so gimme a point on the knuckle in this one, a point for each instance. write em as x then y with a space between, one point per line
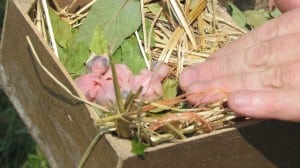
268 31
279 77
257 57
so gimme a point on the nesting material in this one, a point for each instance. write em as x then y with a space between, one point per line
180 34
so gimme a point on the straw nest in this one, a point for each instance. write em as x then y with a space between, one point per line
185 32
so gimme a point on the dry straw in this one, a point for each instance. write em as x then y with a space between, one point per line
199 28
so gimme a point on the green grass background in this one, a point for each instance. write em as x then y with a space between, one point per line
17 149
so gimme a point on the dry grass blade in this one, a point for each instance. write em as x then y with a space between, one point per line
182 21
178 33
49 26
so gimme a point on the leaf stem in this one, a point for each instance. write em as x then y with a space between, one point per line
119 96
91 147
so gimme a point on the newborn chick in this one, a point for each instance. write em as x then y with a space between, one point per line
124 75
97 64
150 81
97 84
89 85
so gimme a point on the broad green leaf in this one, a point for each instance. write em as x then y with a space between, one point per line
255 18
98 43
63 32
77 57
138 148
64 53
118 19
275 13
108 23
237 15
130 54
170 87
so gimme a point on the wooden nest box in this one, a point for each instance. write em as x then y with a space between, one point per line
63 127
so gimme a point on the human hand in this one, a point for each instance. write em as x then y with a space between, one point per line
260 71
285 5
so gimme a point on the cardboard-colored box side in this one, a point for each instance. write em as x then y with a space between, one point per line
63 127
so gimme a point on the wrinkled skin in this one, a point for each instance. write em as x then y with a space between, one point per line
285 5
150 81
97 64
260 70
97 85
124 75
89 84
106 94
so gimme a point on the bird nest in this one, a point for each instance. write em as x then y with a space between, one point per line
178 33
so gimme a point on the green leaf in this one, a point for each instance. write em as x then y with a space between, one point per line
98 43
77 57
275 13
169 88
117 19
130 54
63 32
237 15
137 147
108 23
155 8
255 18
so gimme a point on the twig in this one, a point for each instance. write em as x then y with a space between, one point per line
144 25
91 147
142 50
152 28
85 7
174 130
50 29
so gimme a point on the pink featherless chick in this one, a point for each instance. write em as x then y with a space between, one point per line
150 81
97 64
124 75
105 95
90 83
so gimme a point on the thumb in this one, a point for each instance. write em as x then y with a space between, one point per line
286 5
281 104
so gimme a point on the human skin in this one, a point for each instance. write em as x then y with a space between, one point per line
285 5
260 71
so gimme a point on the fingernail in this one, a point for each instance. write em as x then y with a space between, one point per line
241 100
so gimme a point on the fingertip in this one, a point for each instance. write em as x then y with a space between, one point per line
257 104
245 103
